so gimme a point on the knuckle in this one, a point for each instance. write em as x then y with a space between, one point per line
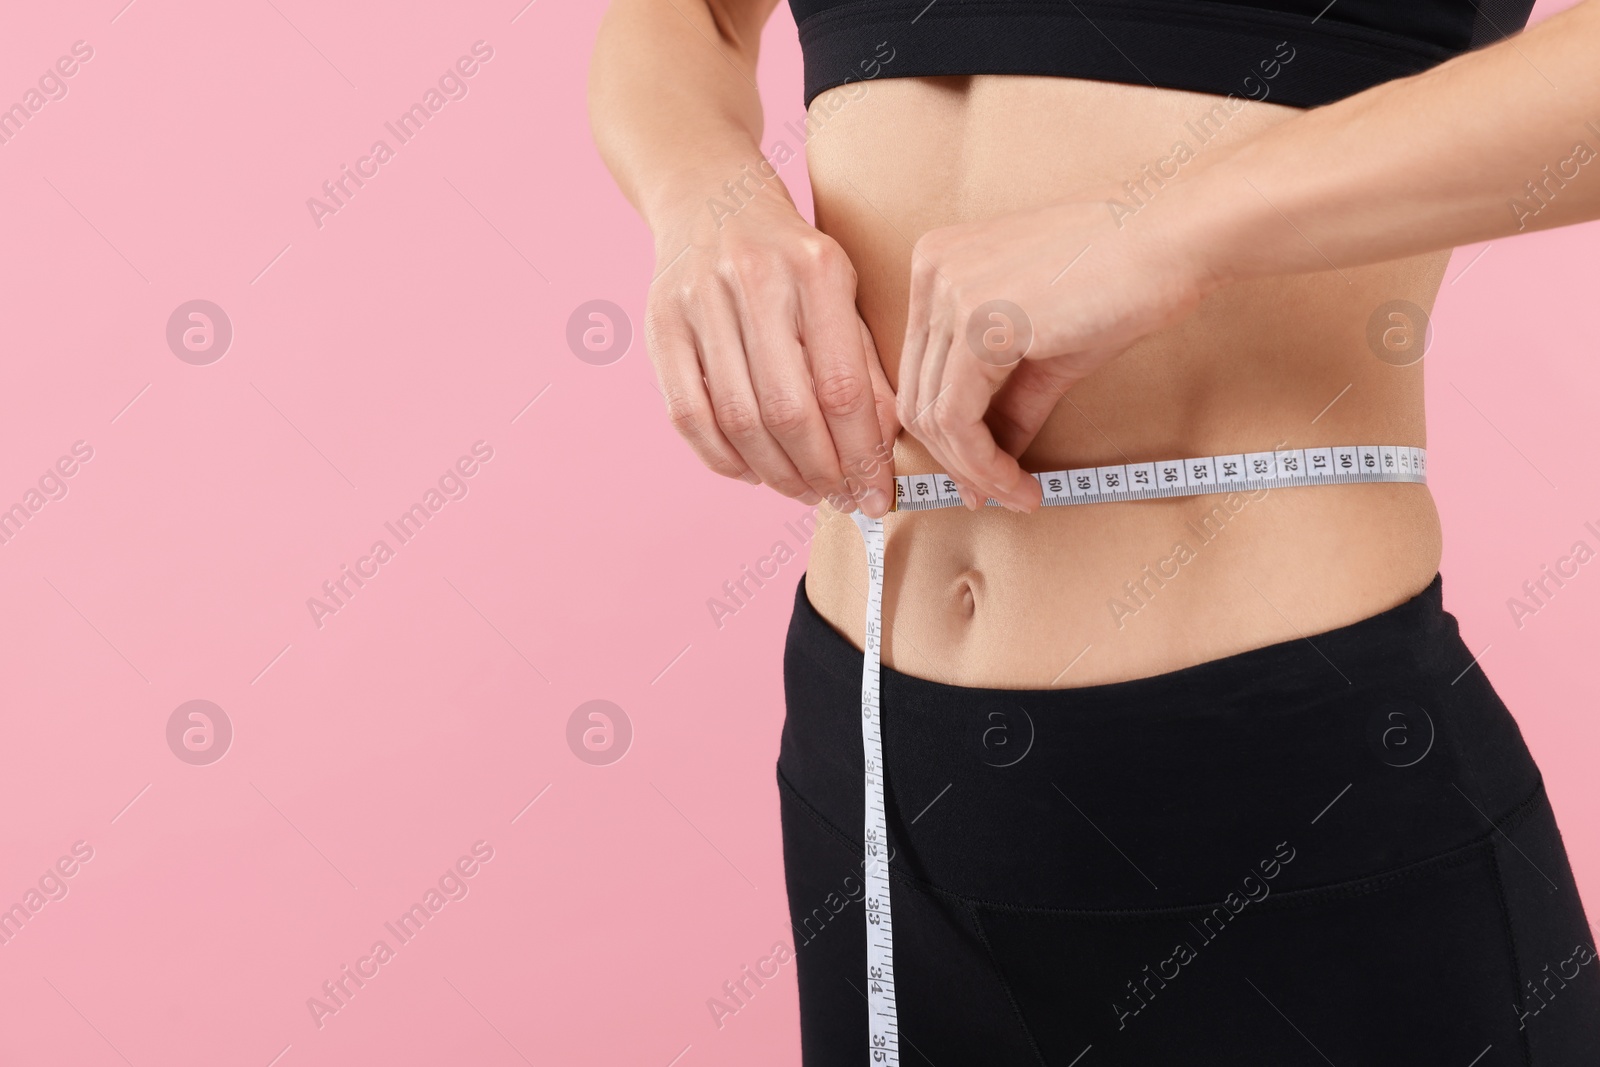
823 257
842 392
738 419
1004 422
792 487
749 265
684 415
665 320
783 413
812 249
686 295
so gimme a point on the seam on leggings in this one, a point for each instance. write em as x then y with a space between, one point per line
1000 975
1463 752
1305 896
1511 944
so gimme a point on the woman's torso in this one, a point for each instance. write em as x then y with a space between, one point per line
1085 595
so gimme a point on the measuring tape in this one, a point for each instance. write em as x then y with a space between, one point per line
1280 469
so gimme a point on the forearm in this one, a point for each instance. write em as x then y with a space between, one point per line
673 102
1416 165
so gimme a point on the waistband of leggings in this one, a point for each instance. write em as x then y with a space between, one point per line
1366 749
1417 637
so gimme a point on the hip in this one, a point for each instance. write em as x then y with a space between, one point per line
1359 797
1387 720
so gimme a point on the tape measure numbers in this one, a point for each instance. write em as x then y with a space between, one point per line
1279 469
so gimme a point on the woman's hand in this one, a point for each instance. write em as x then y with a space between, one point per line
1008 314
767 369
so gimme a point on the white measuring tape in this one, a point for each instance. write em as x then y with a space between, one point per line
1087 485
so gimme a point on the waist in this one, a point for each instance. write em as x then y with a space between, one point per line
1109 592
1071 597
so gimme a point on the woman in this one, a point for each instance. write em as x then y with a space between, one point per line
1209 779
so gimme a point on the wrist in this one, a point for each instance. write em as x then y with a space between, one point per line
1202 224
693 200
1222 225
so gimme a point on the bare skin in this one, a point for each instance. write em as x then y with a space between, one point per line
1205 322
1024 601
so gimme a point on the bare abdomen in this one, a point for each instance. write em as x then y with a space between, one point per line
1076 596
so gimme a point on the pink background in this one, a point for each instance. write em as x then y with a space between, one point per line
425 715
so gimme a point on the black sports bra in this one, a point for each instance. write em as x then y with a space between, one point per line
1298 52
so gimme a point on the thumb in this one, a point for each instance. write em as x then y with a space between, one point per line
883 398
1020 407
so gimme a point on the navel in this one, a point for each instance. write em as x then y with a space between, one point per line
968 586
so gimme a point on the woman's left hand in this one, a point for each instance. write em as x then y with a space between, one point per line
1008 314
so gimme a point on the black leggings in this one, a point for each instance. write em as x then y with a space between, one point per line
1327 851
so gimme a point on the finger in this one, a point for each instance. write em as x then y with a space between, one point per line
930 369
734 405
787 402
689 406
969 386
844 392
935 389
883 398
885 403
929 375
1021 406
915 342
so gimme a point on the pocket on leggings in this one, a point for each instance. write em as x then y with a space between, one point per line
1415 967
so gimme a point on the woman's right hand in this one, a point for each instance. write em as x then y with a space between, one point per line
767 369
